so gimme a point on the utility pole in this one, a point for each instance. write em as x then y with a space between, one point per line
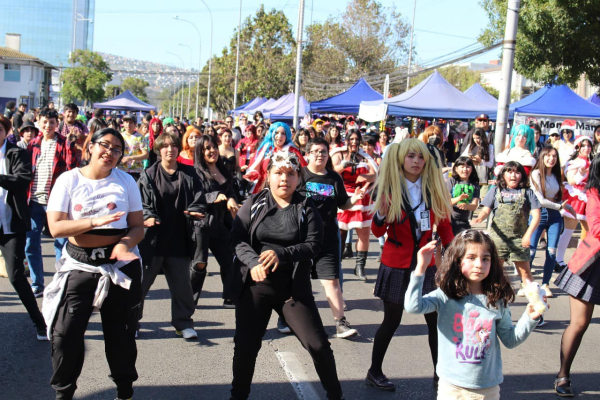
209 63
237 60
298 63
412 33
508 58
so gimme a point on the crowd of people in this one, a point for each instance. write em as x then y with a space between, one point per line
278 208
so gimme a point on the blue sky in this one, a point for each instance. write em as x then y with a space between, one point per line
146 30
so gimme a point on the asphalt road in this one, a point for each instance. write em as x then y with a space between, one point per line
172 368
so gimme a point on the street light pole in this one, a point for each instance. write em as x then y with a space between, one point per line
237 60
298 63
412 32
508 59
209 63
183 67
189 87
199 58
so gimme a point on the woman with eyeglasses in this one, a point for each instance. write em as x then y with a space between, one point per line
99 209
358 171
319 182
275 236
576 172
174 204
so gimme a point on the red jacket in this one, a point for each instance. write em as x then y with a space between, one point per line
400 250
64 158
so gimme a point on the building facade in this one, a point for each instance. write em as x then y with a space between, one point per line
49 29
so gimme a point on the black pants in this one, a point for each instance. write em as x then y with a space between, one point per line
13 250
119 313
177 273
252 314
218 243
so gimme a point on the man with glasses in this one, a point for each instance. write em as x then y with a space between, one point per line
237 133
51 155
482 121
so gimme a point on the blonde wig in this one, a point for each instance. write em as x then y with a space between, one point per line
390 184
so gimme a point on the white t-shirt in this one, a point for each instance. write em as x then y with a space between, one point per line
82 198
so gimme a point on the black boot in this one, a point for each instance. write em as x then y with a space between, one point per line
197 277
348 251
359 269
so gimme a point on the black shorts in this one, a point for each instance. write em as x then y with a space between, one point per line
326 266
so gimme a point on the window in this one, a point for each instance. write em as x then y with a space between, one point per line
12 73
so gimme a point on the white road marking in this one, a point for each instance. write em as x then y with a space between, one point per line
295 372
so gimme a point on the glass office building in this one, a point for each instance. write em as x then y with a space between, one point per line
47 27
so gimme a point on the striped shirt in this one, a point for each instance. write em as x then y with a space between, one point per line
42 177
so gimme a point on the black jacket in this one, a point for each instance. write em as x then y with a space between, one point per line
16 182
194 201
245 245
218 213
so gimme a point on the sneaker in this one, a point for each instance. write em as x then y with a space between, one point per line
521 292
42 336
282 327
228 304
546 289
542 321
342 329
542 244
37 292
559 267
188 333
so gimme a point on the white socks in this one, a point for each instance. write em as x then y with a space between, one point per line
563 243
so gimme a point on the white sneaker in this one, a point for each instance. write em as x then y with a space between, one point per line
521 292
546 289
188 333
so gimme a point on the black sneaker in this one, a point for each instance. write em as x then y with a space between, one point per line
343 330
42 336
228 304
559 267
37 292
282 327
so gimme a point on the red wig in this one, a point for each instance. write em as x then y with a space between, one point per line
154 135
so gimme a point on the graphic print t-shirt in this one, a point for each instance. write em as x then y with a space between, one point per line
83 198
328 193
456 188
510 196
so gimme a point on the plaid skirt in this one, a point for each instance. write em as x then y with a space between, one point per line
392 283
584 287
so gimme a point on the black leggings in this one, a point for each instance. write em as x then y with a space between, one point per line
392 315
219 247
252 315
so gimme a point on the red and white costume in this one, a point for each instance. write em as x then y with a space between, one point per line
575 194
518 154
360 215
257 171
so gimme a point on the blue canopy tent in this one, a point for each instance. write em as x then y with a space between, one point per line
558 101
252 103
477 92
285 111
347 102
432 98
125 101
260 107
276 104
594 99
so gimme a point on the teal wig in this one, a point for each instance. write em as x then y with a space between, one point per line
526 131
268 141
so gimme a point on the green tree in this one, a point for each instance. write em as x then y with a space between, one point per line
86 80
557 40
109 91
267 53
137 86
366 39
460 77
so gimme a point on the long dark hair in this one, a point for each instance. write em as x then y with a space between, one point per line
578 147
594 175
509 167
540 166
483 150
338 138
200 163
473 178
455 285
